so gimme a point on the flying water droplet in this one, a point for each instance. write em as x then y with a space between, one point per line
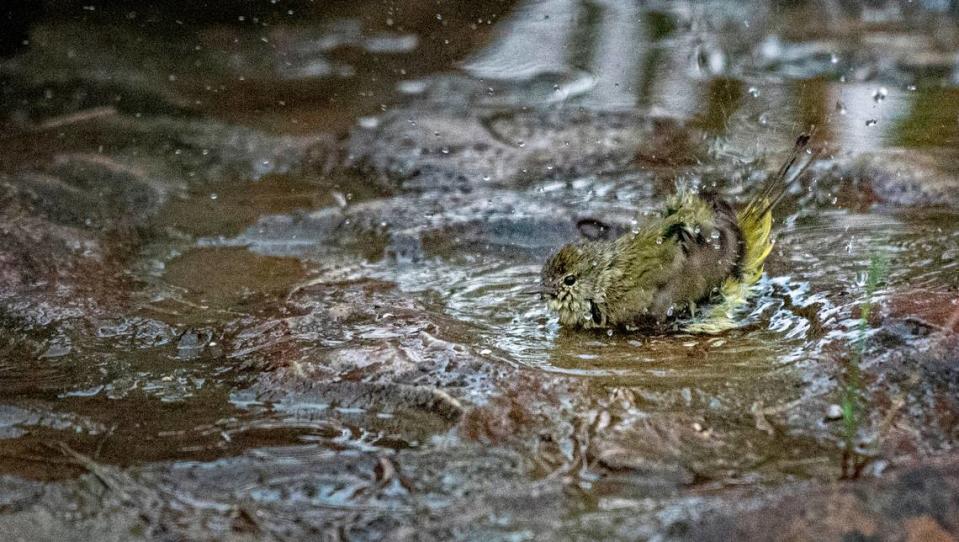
871 122
753 91
880 94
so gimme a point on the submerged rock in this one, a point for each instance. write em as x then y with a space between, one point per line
428 148
71 213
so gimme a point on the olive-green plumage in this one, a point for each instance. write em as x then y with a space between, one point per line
697 250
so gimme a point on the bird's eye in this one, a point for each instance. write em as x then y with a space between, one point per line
569 280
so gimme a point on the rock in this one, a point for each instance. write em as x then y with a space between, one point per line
893 177
74 216
934 310
918 500
423 149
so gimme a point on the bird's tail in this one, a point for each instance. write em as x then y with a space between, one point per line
755 224
755 218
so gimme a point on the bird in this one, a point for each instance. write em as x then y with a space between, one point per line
697 251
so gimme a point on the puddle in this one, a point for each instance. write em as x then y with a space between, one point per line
220 279
280 263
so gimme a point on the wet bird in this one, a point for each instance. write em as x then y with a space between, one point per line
697 250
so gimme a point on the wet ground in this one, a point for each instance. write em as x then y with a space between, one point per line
263 276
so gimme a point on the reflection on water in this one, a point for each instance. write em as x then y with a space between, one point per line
611 55
406 272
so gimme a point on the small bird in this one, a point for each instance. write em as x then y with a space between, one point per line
697 250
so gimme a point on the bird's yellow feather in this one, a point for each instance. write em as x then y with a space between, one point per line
756 230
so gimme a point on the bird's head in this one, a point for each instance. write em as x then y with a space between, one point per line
571 284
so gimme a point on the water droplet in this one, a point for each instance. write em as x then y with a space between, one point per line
368 122
754 92
764 119
840 108
834 58
609 332
871 122
445 150
659 240
521 143
439 17
486 177
669 311
714 234
911 88
880 94
213 195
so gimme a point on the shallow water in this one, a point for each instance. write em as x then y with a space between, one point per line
256 285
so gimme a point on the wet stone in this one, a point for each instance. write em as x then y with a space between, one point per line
898 178
457 150
918 500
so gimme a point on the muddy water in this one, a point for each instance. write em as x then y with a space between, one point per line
317 318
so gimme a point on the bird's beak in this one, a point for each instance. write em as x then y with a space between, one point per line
540 290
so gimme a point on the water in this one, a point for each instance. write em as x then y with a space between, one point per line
306 286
